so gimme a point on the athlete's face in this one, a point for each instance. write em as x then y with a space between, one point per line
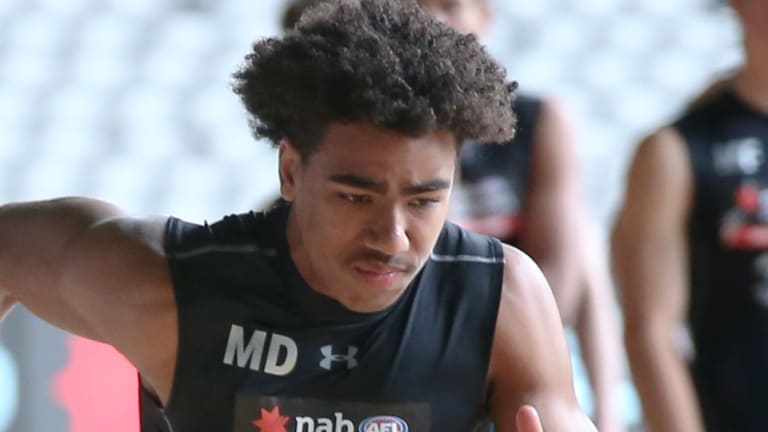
368 206
466 16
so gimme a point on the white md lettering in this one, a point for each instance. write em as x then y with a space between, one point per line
250 355
276 345
338 424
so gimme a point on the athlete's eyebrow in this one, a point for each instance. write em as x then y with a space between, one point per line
359 182
430 186
381 187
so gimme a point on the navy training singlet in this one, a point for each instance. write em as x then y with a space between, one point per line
728 244
150 412
491 192
260 351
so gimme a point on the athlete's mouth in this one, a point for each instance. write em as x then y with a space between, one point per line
378 269
380 275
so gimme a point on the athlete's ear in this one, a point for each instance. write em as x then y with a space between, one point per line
290 166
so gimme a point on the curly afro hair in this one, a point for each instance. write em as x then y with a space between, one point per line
381 62
293 12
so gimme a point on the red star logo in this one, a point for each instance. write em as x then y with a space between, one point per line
271 421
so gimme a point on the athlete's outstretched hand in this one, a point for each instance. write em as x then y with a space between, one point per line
527 420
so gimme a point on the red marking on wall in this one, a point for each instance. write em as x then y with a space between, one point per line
97 389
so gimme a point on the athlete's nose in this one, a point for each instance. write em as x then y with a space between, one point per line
387 232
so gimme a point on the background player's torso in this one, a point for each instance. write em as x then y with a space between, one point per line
728 243
491 192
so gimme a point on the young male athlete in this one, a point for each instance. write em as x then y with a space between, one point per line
691 250
356 307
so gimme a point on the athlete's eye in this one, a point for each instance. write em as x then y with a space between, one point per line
423 202
355 198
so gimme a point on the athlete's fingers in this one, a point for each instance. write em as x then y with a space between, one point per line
527 420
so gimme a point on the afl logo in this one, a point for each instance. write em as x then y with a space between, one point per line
383 424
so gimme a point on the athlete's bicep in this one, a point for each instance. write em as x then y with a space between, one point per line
116 279
36 248
530 363
120 289
82 266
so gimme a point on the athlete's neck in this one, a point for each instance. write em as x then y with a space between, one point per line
751 84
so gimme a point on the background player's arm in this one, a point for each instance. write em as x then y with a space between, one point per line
83 267
530 362
554 210
557 234
650 259
598 327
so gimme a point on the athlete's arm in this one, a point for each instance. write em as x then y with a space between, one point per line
530 364
82 266
599 330
553 211
650 259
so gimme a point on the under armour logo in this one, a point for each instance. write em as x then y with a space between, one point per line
329 357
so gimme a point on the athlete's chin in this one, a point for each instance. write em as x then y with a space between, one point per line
370 293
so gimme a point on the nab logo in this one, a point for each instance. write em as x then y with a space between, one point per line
281 354
329 358
278 414
274 421
383 424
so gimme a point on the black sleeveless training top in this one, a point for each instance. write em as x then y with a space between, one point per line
260 351
728 244
493 179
